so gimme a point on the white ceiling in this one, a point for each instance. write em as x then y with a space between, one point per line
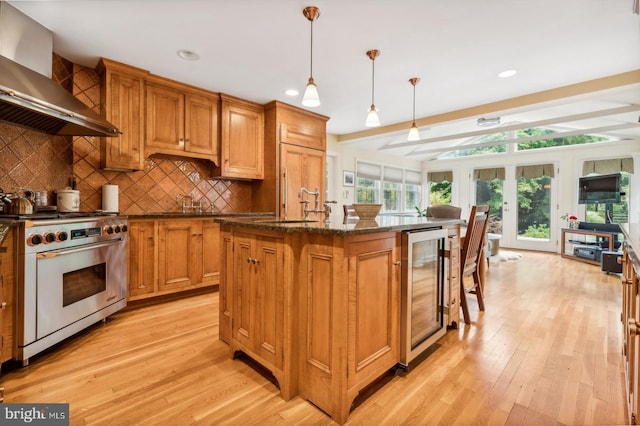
256 49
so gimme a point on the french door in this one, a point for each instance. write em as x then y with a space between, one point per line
523 209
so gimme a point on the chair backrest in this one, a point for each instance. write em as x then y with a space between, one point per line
349 211
474 238
444 212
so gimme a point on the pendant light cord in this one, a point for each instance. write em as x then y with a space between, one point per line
414 104
373 79
311 70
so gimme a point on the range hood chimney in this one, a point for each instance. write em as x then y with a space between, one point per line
28 96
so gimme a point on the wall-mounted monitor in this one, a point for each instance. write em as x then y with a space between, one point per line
603 189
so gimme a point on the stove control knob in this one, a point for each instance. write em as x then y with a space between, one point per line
62 236
108 229
49 237
117 229
124 228
34 240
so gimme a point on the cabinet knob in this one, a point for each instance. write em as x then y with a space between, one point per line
634 327
396 263
3 305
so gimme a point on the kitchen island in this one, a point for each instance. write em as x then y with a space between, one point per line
317 304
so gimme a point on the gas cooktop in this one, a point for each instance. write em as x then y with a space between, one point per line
48 215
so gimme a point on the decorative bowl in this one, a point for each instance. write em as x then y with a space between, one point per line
367 211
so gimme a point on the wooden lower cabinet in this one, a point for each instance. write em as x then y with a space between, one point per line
168 256
349 298
631 329
7 295
321 312
259 295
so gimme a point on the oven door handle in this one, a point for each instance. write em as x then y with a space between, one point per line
55 253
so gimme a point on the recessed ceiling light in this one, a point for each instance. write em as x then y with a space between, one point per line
291 92
188 55
507 73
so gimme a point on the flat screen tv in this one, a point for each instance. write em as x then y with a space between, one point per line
603 189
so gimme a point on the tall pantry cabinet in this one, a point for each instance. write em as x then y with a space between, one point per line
294 157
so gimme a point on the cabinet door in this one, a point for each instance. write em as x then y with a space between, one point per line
303 136
300 167
123 107
177 255
210 236
7 295
226 285
243 289
165 118
242 147
201 125
374 309
269 300
141 247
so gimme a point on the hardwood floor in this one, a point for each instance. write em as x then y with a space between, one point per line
547 350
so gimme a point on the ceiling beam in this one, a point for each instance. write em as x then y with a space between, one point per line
518 126
592 131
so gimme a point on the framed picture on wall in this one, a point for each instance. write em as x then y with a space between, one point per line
348 178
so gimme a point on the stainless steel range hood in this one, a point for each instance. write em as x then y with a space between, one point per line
31 99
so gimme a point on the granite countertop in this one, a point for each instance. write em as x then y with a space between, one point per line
174 215
631 233
352 227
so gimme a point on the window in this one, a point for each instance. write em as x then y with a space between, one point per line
368 183
440 187
412 189
489 144
399 190
392 189
551 142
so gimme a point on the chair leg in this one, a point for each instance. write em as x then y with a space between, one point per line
479 290
463 303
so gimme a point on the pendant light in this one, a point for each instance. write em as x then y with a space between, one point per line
414 134
311 98
372 116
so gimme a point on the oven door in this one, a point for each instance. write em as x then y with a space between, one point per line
75 283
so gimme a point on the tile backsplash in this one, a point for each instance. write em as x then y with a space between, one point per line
38 161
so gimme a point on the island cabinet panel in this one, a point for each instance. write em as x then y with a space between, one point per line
301 167
242 139
122 93
7 295
260 294
170 256
141 249
226 284
349 301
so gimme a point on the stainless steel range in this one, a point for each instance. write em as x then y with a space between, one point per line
71 274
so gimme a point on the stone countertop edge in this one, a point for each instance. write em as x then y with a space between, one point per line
381 224
195 215
631 234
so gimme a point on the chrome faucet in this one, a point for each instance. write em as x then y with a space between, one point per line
326 205
181 199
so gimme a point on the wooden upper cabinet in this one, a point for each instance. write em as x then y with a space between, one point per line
122 93
303 136
242 139
181 120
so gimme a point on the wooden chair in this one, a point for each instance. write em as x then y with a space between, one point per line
444 212
350 215
470 258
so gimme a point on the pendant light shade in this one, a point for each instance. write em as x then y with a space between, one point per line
372 116
414 134
311 97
